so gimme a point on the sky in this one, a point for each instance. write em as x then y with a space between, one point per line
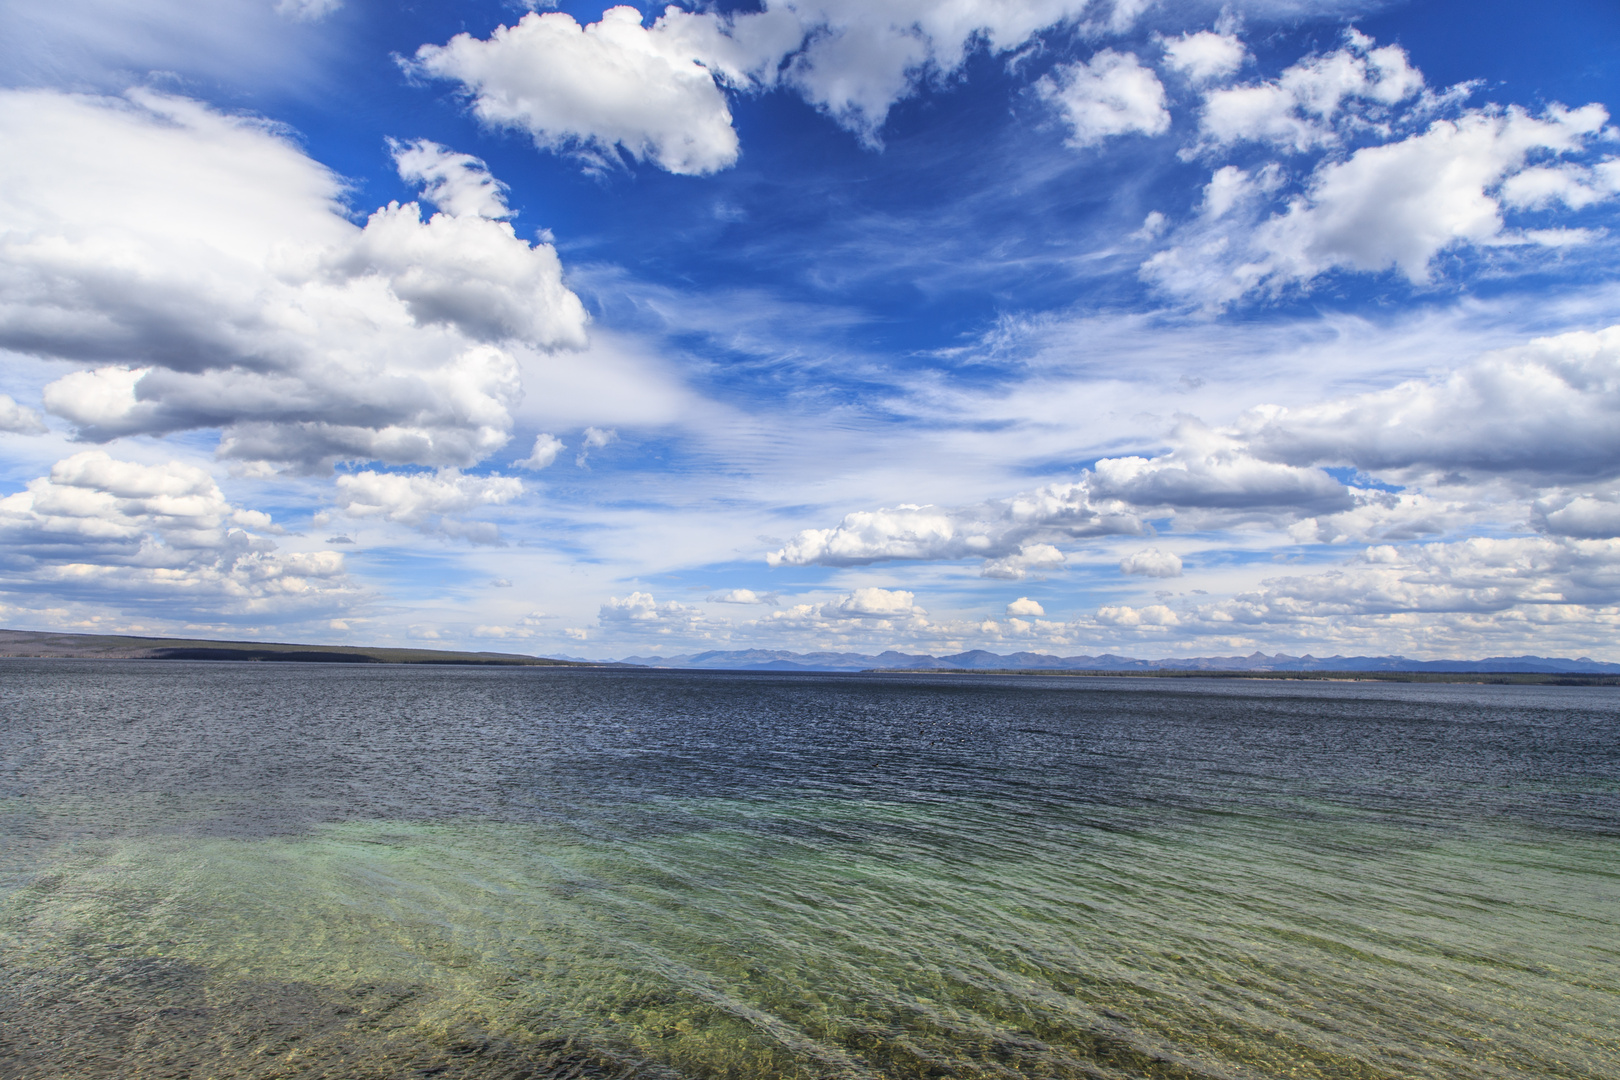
1148 327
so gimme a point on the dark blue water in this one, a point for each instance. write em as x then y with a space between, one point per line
291 870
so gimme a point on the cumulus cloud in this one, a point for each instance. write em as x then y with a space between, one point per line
1205 55
1589 517
595 439
1208 475
469 274
1439 593
1298 110
1212 470
114 531
1548 411
1380 515
744 596
855 615
1398 205
639 613
202 269
1021 563
1025 606
544 453
991 530
874 603
1151 562
861 58
1395 186
1110 94
656 92
1574 186
1156 615
429 502
1474 445
19 419
458 184
610 85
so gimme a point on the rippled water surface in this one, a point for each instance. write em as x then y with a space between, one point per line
286 870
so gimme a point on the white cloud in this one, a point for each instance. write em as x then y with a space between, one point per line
1298 110
1397 183
1575 186
545 451
639 613
427 501
610 84
744 596
1028 558
861 58
1151 562
855 616
251 45
1153 226
1208 476
1407 515
470 274
113 531
458 184
1214 471
655 92
1156 615
874 603
1025 606
307 10
990 530
1231 187
1590 517
1548 411
1204 56
1399 201
1399 205
203 269
1439 596
1111 94
595 439
19 419
1473 447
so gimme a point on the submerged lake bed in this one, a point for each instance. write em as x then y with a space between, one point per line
257 870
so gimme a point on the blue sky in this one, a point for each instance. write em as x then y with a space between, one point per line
1142 327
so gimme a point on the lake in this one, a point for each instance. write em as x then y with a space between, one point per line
291 870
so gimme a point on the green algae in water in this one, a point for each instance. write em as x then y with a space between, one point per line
726 952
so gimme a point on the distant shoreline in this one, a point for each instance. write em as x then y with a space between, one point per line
44 645
1481 678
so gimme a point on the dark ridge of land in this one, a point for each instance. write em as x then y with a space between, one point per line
1486 678
42 645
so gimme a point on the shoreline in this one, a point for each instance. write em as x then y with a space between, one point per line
1482 678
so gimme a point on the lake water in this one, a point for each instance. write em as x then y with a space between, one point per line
288 870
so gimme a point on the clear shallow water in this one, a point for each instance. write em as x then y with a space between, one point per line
269 870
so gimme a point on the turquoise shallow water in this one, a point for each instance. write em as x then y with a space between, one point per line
267 870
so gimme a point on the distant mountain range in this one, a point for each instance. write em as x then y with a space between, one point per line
980 660
44 644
